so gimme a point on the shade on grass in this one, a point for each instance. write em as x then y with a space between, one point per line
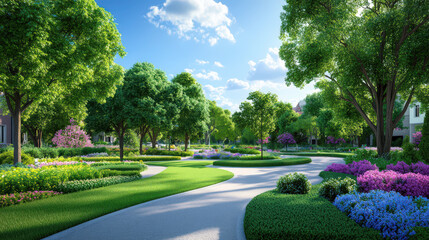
262 163
318 154
42 218
273 215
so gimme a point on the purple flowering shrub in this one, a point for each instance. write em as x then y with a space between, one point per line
72 137
15 198
402 167
417 137
408 184
355 168
389 212
286 138
332 140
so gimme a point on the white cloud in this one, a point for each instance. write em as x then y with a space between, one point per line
269 68
235 84
213 41
188 70
218 64
201 62
259 84
216 94
208 75
199 19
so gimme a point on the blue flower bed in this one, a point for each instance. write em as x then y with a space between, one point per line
389 212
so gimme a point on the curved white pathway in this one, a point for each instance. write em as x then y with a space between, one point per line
213 212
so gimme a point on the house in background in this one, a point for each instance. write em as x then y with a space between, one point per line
6 129
102 136
416 118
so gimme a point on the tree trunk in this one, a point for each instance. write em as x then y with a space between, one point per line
153 136
39 138
141 143
186 141
121 144
17 134
206 138
262 142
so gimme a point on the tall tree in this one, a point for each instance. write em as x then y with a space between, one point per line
194 113
372 51
259 114
111 115
220 123
47 47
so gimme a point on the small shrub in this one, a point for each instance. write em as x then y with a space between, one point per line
332 188
424 143
7 157
294 183
154 151
80 185
242 150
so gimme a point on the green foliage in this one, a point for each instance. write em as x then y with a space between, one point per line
7 157
410 153
262 163
81 185
331 188
131 139
272 215
144 158
257 157
122 167
49 152
318 154
424 144
242 150
294 183
154 151
46 178
48 216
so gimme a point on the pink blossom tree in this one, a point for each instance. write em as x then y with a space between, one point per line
72 137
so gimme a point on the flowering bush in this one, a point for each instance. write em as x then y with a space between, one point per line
332 140
286 138
402 167
15 198
417 137
409 184
264 141
389 212
355 168
46 178
56 163
72 137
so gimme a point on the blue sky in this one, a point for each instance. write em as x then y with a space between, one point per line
230 47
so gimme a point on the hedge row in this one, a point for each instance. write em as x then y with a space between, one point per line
242 150
262 163
272 215
51 152
153 151
144 158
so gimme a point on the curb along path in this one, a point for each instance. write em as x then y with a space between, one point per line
213 212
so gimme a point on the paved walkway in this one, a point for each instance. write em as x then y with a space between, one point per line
213 212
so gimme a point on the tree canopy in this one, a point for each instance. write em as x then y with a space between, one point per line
52 47
372 51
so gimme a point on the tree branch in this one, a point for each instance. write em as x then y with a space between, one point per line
401 114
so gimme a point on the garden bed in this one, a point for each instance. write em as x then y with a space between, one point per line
262 163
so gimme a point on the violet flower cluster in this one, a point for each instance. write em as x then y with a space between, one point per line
72 137
402 167
207 154
389 212
354 168
408 184
417 137
332 140
286 138
58 163
264 141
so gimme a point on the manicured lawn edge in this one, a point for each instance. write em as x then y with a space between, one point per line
272 215
262 163
144 158
318 154
41 218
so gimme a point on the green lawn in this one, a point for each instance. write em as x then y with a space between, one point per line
42 218
272 215
262 163
317 154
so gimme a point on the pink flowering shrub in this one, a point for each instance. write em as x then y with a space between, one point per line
402 167
409 184
417 137
72 137
264 141
355 168
15 198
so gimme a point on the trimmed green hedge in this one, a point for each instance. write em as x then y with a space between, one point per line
7 157
145 158
318 154
51 152
262 163
153 151
80 185
242 150
273 215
